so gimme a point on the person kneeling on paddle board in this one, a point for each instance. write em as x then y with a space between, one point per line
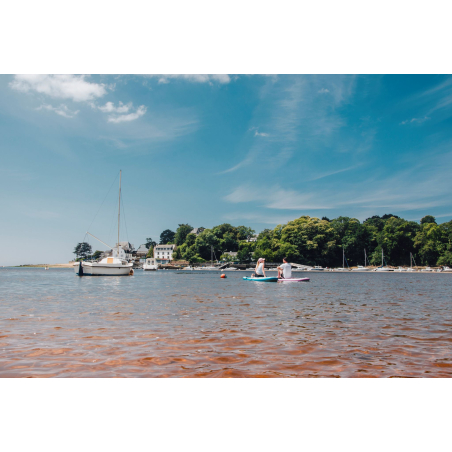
285 270
259 272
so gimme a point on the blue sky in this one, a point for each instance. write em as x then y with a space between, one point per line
254 150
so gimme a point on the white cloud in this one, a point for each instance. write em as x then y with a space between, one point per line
141 110
109 107
260 134
73 87
194 78
62 110
415 120
323 91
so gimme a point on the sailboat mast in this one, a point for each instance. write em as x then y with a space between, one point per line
343 257
119 207
211 255
365 257
382 263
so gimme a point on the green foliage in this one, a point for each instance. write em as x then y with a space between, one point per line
181 233
311 241
82 250
150 252
167 236
150 243
226 258
428 219
96 254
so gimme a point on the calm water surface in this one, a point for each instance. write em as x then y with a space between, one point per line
190 324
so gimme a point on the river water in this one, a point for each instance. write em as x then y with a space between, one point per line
193 324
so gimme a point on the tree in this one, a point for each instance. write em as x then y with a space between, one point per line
167 236
150 251
96 254
82 250
181 233
428 219
204 243
150 243
244 255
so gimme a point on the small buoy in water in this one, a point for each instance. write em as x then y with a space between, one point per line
223 275
131 272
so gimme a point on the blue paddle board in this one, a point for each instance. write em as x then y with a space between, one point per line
267 279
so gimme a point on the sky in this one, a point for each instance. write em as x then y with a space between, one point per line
208 149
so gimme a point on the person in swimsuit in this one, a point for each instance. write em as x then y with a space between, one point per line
259 272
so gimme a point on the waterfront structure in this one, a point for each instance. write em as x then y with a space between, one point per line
163 254
150 264
142 251
197 231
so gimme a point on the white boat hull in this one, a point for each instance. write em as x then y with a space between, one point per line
94 269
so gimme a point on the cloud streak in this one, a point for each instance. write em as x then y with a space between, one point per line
62 110
141 110
193 78
74 87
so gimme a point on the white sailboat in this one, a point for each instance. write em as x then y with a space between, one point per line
211 263
343 269
411 269
116 265
360 268
383 268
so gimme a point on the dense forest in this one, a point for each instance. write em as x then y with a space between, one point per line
313 241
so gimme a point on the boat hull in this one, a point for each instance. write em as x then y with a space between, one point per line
266 279
104 270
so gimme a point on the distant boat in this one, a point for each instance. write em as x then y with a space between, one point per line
427 269
446 269
360 268
317 268
116 265
411 269
148 266
343 269
383 268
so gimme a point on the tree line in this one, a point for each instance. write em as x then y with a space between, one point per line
313 241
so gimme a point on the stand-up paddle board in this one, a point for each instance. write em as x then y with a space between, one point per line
275 279
267 279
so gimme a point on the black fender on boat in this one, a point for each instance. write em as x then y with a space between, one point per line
80 269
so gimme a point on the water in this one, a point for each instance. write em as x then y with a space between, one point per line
191 324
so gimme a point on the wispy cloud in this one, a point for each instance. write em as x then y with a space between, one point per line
323 91
293 115
74 87
415 120
193 78
141 110
332 173
62 110
274 198
109 107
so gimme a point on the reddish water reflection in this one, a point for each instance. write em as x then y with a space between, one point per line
167 324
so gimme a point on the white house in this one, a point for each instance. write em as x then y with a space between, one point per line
163 254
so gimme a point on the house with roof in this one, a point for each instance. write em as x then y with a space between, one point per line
197 231
142 251
163 254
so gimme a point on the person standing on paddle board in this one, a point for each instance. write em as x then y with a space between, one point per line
285 270
259 272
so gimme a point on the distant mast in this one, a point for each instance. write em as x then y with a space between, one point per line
119 207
